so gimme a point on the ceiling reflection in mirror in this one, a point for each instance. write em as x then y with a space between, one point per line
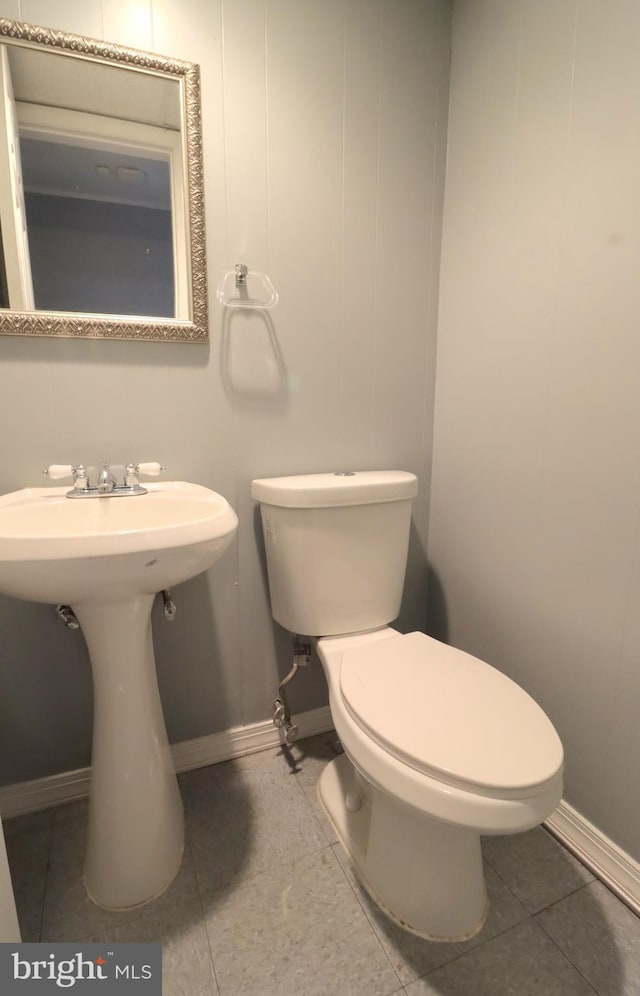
101 190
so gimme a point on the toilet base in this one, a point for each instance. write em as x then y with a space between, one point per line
426 876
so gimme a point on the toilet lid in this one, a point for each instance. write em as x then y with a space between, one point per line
450 715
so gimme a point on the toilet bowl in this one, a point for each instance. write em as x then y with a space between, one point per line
468 752
439 747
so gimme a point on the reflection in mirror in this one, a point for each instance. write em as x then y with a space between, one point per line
101 203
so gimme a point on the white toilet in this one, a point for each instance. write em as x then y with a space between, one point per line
440 747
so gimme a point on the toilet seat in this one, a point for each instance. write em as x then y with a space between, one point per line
450 716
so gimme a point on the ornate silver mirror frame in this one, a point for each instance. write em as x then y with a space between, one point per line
196 328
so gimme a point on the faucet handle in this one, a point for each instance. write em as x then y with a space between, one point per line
57 470
79 473
132 470
150 469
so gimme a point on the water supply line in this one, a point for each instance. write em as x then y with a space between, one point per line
281 712
168 605
66 615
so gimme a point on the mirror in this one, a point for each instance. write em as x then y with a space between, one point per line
101 190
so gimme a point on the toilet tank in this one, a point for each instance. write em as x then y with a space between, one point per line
336 548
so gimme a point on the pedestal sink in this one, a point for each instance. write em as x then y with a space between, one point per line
107 557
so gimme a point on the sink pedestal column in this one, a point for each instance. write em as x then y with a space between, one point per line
136 822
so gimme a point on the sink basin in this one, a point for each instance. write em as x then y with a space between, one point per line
53 549
107 558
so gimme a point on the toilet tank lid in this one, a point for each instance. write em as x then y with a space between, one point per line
363 487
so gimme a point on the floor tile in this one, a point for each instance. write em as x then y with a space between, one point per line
312 757
28 822
243 818
28 856
69 914
521 962
283 916
301 930
313 754
536 867
187 968
601 936
77 810
412 956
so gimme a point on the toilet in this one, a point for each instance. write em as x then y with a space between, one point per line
439 747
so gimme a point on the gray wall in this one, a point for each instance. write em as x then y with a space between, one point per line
324 142
535 509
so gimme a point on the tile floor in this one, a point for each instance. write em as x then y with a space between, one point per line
265 902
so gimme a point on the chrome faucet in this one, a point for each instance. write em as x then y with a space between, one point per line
107 485
106 481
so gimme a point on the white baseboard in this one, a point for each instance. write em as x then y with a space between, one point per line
604 858
42 793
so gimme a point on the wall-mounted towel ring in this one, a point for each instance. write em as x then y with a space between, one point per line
244 288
